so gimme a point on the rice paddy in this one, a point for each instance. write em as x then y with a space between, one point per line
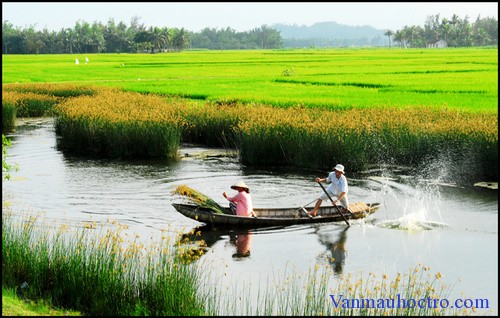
465 79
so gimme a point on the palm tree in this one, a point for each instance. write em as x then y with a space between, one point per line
398 37
98 43
180 39
165 34
389 33
8 33
158 38
444 29
481 36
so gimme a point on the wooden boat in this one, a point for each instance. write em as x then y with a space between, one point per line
275 216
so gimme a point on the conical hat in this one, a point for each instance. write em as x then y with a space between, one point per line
240 184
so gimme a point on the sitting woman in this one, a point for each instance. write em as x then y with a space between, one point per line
241 203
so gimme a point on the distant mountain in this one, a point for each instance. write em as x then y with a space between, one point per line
330 34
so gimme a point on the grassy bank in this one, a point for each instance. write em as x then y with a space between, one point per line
13 305
97 270
34 100
124 124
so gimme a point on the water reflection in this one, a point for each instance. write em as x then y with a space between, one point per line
336 247
243 243
202 238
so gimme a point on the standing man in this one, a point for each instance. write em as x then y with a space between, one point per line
337 189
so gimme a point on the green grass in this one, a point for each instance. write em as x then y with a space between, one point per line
119 124
462 79
97 271
8 116
12 305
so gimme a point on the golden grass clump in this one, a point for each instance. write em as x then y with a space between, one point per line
36 99
29 104
120 124
52 89
8 113
211 124
110 122
199 198
189 247
358 137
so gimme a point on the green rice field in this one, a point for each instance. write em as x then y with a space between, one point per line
463 79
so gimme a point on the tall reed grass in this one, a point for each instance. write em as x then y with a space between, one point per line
36 100
358 137
62 90
317 292
120 124
315 138
212 124
101 270
8 113
30 104
96 269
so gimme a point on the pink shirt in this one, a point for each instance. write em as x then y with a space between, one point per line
243 200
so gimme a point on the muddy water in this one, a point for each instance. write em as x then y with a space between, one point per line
450 229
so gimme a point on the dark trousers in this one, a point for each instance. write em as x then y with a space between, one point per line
232 207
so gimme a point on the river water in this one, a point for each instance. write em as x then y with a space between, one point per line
450 229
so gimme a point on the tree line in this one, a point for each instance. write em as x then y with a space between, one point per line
133 38
136 37
456 32
263 37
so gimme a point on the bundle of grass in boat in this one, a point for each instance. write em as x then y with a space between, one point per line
199 199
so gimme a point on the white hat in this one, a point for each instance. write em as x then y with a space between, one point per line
240 184
340 168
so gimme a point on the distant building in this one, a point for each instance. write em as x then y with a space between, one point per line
439 44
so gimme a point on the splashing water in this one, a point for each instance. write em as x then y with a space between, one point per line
411 206
413 222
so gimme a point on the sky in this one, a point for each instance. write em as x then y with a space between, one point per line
239 16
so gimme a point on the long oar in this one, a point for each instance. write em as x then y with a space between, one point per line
329 197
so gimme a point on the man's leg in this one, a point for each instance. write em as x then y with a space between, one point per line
316 208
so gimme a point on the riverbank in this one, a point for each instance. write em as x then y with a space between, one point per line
12 305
